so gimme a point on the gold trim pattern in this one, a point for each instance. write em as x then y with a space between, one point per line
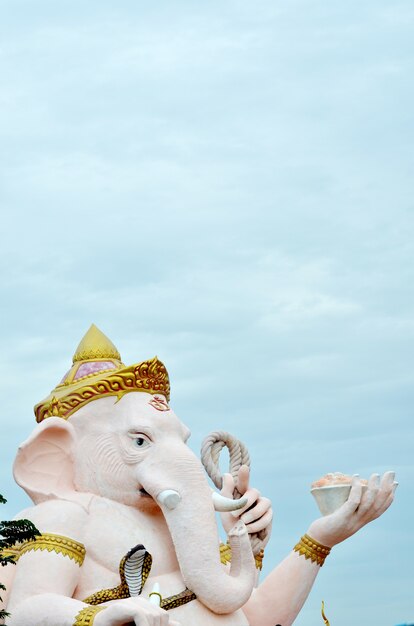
172 602
120 592
70 376
105 595
95 345
149 376
325 619
225 553
13 552
225 556
55 543
312 549
102 355
86 616
258 559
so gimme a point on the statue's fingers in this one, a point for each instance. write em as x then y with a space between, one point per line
165 619
369 495
151 615
152 612
260 508
374 482
384 501
387 481
390 496
386 488
354 498
387 503
161 620
158 616
252 496
141 620
260 524
228 486
243 479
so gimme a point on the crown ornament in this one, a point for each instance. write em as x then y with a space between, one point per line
98 372
95 345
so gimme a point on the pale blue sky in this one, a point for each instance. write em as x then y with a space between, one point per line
226 185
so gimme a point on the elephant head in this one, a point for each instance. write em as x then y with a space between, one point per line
130 447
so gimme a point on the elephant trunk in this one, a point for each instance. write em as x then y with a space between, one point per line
193 528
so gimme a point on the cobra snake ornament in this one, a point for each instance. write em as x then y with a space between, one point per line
134 570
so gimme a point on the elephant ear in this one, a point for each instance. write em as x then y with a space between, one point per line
44 465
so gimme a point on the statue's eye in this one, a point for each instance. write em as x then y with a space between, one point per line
141 442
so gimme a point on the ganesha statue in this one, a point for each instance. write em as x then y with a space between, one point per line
127 517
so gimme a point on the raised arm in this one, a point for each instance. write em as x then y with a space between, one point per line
281 596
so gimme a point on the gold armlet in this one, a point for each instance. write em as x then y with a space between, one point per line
258 559
56 543
225 556
86 616
10 552
225 553
312 549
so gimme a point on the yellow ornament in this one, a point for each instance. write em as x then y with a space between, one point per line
97 372
95 345
323 614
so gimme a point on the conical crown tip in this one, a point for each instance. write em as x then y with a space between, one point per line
95 345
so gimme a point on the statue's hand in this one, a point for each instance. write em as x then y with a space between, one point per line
133 611
360 508
257 514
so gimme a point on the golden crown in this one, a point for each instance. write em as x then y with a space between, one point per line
97 372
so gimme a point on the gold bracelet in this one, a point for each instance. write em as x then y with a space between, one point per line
312 549
225 556
258 559
86 616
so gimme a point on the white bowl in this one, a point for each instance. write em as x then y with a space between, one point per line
331 497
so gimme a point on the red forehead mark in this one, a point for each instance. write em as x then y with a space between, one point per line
159 403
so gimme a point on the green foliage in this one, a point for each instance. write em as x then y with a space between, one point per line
15 531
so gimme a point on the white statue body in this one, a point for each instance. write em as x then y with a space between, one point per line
103 479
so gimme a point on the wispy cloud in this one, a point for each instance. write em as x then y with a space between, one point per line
228 186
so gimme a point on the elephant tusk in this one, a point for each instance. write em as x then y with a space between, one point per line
169 498
227 504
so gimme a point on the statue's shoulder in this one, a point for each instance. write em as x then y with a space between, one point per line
61 517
